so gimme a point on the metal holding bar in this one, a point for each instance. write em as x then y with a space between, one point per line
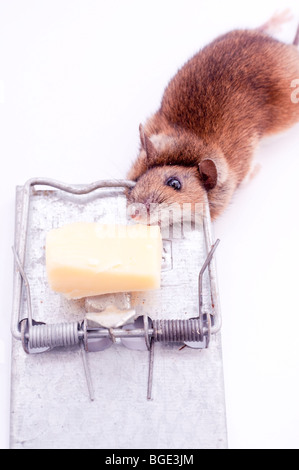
25 280
217 319
201 273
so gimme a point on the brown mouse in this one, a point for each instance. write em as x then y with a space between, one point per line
201 142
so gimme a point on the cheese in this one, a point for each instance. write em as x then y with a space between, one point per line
86 259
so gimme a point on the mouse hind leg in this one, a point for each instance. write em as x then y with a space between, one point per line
273 25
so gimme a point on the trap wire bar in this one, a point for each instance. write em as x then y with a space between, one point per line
38 336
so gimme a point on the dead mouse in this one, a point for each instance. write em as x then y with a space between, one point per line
200 143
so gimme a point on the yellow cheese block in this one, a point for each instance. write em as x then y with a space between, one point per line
85 259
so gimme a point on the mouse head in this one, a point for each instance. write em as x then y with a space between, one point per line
166 192
173 172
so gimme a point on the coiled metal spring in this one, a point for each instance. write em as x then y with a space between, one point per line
177 330
54 335
70 334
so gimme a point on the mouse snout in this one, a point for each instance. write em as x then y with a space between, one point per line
141 210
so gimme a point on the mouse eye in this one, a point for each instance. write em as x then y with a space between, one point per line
174 183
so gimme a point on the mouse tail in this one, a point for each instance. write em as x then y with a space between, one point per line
296 40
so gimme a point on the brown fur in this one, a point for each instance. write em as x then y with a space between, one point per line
217 107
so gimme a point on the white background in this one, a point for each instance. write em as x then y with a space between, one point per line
76 79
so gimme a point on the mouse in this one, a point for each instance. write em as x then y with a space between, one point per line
199 146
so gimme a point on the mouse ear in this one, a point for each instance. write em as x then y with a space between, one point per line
208 173
147 144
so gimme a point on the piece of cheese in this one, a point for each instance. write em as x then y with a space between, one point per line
85 259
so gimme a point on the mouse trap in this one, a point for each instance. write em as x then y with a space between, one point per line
116 371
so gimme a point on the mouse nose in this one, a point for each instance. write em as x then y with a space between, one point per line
142 209
138 212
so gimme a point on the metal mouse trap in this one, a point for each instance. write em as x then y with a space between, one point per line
116 371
